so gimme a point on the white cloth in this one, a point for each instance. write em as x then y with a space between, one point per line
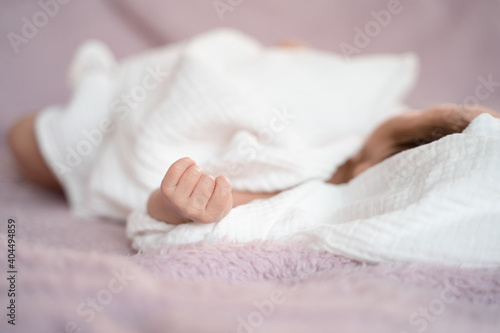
267 118
438 203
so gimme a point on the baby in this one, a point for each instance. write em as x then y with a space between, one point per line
188 194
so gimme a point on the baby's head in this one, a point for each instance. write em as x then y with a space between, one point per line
405 131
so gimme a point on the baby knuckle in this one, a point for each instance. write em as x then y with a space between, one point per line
193 211
169 196
195 170
179 202
176 169
204 196
185 160
224 184
218 206
166 190
201 200
208 185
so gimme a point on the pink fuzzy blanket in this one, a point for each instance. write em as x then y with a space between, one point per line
256 287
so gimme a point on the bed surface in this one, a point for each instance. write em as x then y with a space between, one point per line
458 43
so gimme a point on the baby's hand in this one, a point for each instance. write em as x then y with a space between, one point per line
192 195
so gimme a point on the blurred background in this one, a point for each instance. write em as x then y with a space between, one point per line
458 41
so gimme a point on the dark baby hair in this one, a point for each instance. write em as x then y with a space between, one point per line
428 133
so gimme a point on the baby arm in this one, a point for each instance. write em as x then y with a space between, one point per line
188 194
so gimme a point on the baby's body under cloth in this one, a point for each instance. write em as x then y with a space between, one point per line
268 118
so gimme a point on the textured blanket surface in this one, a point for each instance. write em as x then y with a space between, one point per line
65 289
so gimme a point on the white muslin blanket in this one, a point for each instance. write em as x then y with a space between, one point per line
438 203
268 118
272 119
